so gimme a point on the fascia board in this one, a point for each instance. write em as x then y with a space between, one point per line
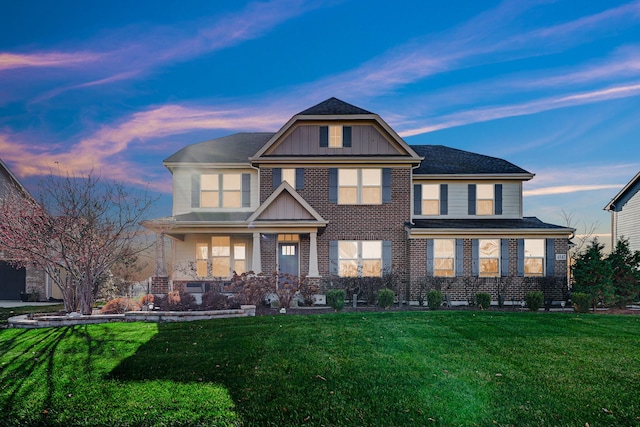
484 232
474 177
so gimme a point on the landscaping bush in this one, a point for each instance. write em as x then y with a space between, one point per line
147 299
386 297
581 302
215 300
434 299
534 300
119 306
177 301
335 298
483 300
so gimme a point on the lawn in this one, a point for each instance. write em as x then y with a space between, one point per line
354 369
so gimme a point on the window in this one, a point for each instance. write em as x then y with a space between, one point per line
335 136
359 186
430 199
289 175
227 256
489 257
485 199
360 258
534 257
202 259
444 257
221 190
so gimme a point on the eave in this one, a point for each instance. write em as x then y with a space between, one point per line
487 232
475 177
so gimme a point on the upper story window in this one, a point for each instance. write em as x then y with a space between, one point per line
489 257
485 193
444 257
534 251
485 199
359 186
295 177
335 136
430 199
289 175
220 190
360 258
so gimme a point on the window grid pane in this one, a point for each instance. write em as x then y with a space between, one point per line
360 258
289 175
489 253
444 257
335 136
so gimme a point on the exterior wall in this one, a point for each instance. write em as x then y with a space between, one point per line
627 223
36 282
304 140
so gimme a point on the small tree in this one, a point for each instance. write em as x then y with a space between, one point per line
592 274
625 267
76 232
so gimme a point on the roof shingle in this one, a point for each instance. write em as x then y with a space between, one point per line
439 159
333 106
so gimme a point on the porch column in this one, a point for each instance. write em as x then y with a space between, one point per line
313 255
257 257
161 264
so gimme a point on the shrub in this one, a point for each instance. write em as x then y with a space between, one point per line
581 302
119 306
335 298
434 299
177 301
215 300
483 300
534 300
146 299
386 298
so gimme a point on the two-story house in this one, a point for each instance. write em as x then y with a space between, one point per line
336 192
625 214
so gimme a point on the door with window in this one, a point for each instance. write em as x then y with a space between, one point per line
288 262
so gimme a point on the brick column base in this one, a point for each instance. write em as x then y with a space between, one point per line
160 285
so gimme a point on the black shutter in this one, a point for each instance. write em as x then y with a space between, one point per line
417 199
346 136
246 190
195 191
498 197
324 136
444 199
299 178
472 199
386 185
333 185
277 177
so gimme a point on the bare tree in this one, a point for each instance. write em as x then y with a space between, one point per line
78 229
582 239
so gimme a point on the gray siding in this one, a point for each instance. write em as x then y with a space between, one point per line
628 222
285 207
305 140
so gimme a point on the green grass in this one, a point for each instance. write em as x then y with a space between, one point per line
385 368
6 313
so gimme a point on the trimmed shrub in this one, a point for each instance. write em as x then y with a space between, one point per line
215 300
581 302
119 306
335 298
177 301
386 297
534 300
434 299
483 300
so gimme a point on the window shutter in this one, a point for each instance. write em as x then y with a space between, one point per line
498 199
195 191
472 199
333 257
386 185
504 255
333 185
299 179
246 190
430 257
459 257
417 199
324 136
550 257
475 257
444 199
277 177
346 136
521 257
387 256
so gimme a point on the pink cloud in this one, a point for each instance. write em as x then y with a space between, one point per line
42 60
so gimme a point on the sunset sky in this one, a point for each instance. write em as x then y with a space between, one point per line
552 86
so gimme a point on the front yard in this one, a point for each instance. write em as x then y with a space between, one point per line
375 368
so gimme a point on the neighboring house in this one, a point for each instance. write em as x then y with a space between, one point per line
336 192
29 281
625 214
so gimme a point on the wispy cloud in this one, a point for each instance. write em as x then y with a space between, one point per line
566 189
10 61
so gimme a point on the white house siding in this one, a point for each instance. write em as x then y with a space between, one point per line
628 222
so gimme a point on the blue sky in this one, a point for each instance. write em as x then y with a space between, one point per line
552 86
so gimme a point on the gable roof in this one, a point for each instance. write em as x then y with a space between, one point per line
333 106
306 212
235 148
441 160
4 169
488 226
627 192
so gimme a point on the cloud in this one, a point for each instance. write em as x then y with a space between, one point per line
566 189
10 61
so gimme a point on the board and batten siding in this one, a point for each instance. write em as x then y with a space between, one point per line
458 199
304 140
182 188
627 223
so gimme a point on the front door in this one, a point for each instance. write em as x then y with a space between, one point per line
288 262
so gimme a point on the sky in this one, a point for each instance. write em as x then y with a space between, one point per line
116 87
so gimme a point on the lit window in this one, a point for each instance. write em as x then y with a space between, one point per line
444 257
221 190
221 256
534 257
288 237
239 258
360 258
359 186
485 197
430 199
335 136
202 257
489 253
289 175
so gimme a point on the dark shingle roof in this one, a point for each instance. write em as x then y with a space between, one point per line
236 148
528 222
439 159
333 106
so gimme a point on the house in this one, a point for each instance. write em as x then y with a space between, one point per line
336 192
29 281
625 214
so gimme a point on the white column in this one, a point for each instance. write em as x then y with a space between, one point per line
161 264
313 255
257 258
